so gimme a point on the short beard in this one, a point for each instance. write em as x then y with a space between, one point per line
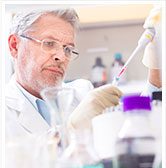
36 85
43 84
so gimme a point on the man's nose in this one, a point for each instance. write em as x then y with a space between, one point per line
59 56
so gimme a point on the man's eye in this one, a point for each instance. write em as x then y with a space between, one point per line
49 43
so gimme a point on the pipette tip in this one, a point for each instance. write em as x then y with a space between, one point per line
115 81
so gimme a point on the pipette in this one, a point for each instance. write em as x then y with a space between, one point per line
146 37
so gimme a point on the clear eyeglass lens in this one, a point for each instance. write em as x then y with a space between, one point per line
68 50
53 46
49 45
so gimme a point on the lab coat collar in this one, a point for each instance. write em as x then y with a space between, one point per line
27 115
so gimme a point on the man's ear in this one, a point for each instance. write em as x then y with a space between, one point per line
13 45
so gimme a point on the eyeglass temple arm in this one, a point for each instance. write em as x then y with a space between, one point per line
74 52
30 38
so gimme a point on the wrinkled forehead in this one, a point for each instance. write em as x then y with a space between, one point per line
46 17
51 26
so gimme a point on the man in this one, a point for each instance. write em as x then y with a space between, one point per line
42 45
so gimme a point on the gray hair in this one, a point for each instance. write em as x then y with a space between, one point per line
23 22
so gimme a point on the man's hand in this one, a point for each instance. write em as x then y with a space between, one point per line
152 55
92 105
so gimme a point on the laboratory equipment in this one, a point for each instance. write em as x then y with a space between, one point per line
153 53
25 152
60 102
146 37
136 144
80 153
156 115
156 123
116 66
98 73
105 130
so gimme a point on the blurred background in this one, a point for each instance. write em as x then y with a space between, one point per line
108 34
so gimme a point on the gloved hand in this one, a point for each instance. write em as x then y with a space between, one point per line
152 54
92 105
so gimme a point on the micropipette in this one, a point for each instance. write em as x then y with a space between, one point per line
146 37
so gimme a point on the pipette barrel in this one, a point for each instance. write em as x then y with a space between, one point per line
146 37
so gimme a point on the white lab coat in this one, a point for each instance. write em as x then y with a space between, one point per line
22 118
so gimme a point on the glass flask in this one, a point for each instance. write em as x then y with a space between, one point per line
60 102
80 153
135 145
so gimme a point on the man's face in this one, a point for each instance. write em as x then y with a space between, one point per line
36 68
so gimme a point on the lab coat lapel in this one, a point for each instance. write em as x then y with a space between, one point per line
28 116
31 120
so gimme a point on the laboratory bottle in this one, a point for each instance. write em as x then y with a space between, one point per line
116 66
98 73
80 153
156 115
156 122
135 144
